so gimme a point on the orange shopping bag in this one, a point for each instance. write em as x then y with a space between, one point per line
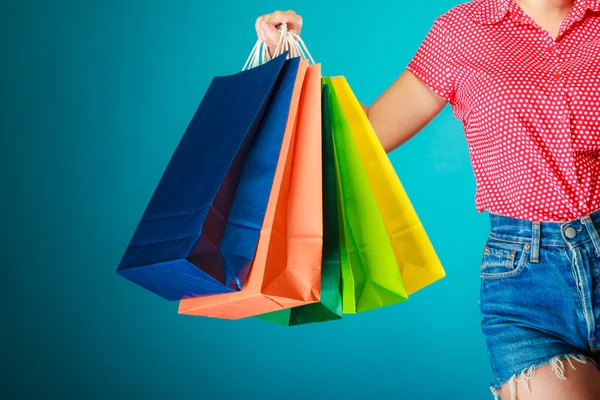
286 270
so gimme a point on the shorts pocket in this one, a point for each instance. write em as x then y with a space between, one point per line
503 259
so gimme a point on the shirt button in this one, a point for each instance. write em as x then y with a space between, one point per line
557 75
550 49
570 232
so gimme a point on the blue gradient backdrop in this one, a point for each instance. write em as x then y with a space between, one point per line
95 97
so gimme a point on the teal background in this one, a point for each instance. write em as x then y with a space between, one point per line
95 97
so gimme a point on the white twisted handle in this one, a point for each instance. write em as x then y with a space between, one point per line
288 41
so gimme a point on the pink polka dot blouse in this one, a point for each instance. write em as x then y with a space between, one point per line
529 104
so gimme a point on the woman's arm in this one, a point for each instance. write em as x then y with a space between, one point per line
402 111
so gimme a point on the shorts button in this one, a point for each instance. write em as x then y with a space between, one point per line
570 232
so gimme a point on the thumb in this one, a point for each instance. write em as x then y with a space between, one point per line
270 34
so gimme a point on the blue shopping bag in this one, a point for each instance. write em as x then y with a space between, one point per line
250 204
175 249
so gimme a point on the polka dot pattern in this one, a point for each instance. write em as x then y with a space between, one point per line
529 104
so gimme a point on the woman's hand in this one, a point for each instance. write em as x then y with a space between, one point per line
266 26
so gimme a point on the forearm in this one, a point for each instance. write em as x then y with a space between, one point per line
365 109
403 110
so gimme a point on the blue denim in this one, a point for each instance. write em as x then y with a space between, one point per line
540 295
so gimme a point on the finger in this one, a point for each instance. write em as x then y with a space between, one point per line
275 18
259 28
293 21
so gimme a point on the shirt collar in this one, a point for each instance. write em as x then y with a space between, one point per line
492 11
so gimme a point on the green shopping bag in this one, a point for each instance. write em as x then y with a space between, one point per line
370 274
330 306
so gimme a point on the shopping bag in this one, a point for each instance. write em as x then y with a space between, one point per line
250 203
286 270
174 251
297 240
415 255
370 274
330 305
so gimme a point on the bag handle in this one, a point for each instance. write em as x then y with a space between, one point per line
288 41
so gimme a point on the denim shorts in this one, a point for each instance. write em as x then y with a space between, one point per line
540 296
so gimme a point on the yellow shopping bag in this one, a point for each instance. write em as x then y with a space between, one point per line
415 255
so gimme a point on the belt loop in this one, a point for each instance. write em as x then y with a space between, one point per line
534 257
589 224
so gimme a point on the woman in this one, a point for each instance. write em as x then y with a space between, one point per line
524 78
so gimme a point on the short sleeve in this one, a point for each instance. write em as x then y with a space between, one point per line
433 61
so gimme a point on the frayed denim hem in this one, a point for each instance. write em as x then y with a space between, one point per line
528 373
